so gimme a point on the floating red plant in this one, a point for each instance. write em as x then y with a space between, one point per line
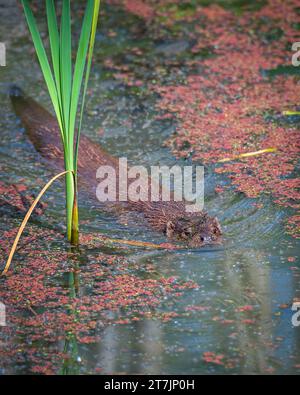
51 298
232 107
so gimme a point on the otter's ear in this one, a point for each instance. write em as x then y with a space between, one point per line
170 228
218 230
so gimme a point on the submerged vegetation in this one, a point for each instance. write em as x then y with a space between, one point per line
67 84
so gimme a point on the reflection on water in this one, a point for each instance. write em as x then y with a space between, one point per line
237 319
241 322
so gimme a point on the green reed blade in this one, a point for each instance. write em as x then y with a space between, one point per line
65 89
80 63
87 74
66 69
54 45
65 57
43 60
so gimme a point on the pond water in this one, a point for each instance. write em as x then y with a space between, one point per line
236 317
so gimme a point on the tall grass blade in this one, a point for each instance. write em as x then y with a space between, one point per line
87 74
54 46
43 60
65 88
66 71
80 63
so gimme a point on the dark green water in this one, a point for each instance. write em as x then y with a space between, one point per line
251 268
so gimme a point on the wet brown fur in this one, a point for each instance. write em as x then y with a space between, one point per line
168 217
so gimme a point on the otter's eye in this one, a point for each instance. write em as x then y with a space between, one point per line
202 238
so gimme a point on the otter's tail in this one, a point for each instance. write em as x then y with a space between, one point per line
41 127
18 100
32 114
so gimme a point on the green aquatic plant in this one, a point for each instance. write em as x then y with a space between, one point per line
67 83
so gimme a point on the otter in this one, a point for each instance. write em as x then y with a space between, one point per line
170 218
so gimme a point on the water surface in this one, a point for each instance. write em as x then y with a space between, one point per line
240 307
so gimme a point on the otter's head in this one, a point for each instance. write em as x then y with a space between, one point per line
196 231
